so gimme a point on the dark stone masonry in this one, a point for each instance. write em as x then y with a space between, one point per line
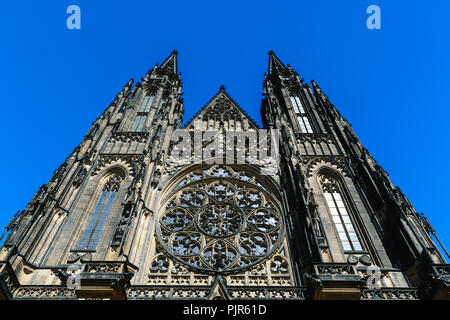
134 213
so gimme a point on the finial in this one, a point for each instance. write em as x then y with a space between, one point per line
127 86
222 88
271 52
175 51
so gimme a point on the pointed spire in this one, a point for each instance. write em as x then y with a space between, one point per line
170 64
275 63
318 89
127 87
315 85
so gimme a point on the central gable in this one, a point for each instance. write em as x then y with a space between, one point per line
222 112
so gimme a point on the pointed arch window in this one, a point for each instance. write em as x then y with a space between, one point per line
304 124
340 215
297 104
161 103
302 118
142 114
139 122
147 104
97 221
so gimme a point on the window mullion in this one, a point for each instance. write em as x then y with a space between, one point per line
342 221
86 238
101 221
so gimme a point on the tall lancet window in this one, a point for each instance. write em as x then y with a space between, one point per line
161 103
340 215
99 216
302 118
142 114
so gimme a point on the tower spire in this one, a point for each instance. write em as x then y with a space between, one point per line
275 63
170 64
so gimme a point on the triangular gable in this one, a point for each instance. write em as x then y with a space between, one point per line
222 106
218 290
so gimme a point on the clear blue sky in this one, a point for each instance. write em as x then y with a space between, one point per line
391 84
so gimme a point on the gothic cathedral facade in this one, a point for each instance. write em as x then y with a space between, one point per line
125 218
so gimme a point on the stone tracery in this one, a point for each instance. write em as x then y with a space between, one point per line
220 220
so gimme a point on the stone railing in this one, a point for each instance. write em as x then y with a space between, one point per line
277 293
390 294
239 293
104 267
335 269
129 137
44 292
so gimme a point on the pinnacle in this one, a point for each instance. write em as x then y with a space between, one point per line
274 62
170 64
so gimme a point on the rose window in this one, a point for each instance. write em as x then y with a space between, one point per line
219 220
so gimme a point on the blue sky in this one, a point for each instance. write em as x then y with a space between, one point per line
391 84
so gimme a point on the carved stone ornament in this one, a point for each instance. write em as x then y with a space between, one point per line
352 259
365 260
83 257
220 225
73 257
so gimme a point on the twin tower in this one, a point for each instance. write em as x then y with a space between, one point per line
130 215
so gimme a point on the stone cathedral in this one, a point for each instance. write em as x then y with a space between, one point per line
124 217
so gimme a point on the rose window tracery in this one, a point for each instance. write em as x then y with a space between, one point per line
264 220
220 220
177 219
279 265
186 244
160 264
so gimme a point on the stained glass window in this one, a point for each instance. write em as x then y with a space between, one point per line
97 221
141 117
340 215
219 220
302 118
